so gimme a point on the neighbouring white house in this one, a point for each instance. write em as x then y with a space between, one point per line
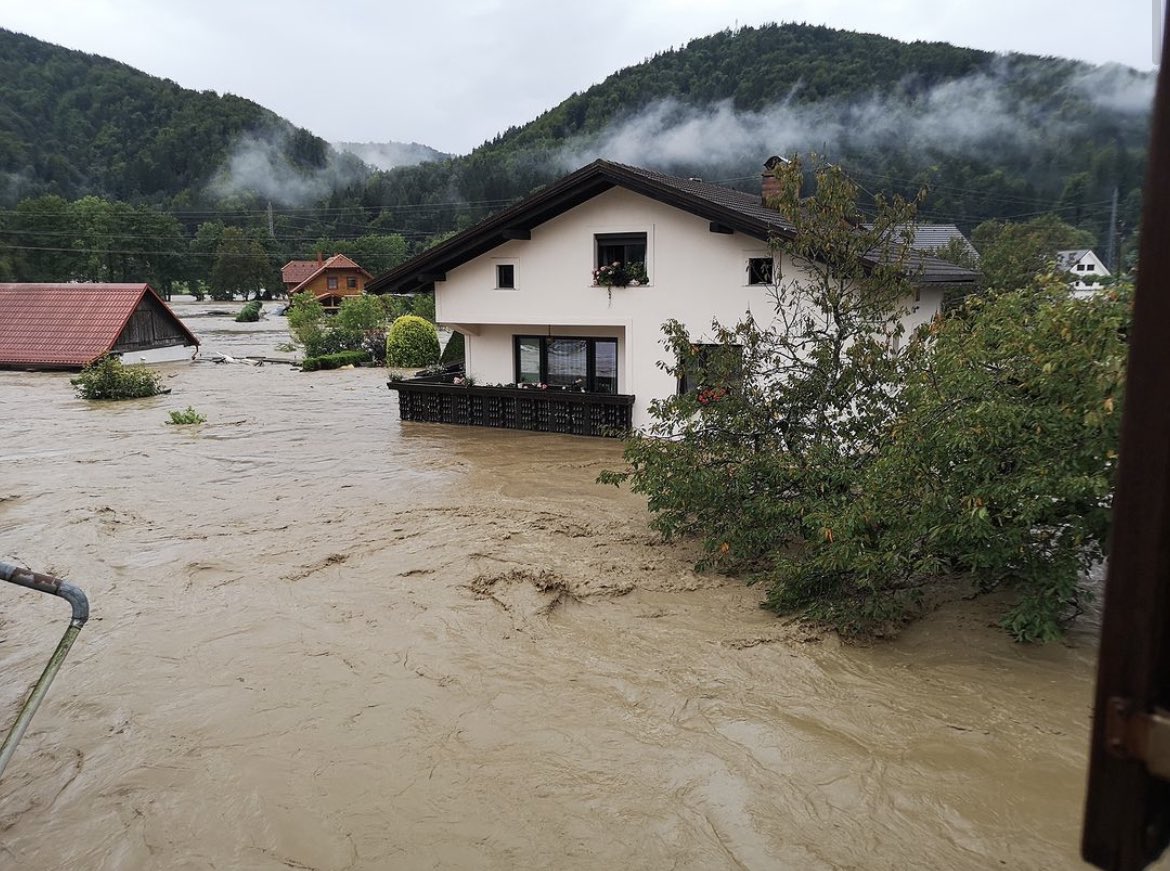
522 288
1084 266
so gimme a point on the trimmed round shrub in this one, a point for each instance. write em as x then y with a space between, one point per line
412 341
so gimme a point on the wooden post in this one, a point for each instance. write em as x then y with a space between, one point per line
1127 810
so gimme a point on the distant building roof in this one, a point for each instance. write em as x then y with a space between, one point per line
67 326
296 271
1071 257
931 237
337 261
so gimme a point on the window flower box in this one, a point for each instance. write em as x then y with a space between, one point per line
618 274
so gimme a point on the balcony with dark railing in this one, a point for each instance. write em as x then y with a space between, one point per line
437 399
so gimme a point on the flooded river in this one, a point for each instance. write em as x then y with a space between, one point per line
322 639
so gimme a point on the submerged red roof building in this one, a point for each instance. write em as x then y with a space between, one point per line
69 326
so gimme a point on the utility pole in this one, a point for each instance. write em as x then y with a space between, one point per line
272 226
1111 250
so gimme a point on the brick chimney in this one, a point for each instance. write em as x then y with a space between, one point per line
769 184
320 258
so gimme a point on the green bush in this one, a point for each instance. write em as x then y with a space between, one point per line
423 305
108 378
335 361
454 352
186 417
250 313
412 341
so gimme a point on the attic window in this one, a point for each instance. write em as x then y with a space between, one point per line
1089 267
331 282
760 270
351 282
620 248
505 275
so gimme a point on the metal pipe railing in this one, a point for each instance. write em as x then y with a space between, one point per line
80 605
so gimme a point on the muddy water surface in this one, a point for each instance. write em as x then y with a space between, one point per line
326 640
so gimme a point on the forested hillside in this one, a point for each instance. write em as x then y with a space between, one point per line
74 124
990 136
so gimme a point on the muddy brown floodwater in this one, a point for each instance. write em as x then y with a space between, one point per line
322 639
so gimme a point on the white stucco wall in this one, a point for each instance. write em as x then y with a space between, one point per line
1089 264
695 276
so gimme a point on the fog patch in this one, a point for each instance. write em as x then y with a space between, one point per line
262 166
389 155
1001 108
1117 87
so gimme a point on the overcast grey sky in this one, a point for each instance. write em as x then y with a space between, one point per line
453 74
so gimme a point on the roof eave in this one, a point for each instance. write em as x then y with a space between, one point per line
555 199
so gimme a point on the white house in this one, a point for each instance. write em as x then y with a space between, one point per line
520 288
1082 264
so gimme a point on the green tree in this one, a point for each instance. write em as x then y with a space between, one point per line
850 478
786 416
999 468
241 266
306 321
1012 254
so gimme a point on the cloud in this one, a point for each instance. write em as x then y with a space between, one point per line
260 165
1116 87
990 110
388 155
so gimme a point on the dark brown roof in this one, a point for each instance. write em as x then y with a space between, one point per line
67 325
337 261
728 208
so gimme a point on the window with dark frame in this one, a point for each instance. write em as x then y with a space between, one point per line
711 366
620 248
351 282
505 275
581 363
759 270
331 282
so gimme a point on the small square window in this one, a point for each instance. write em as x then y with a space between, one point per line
505 275
331 282
760 270
1089 267
351 282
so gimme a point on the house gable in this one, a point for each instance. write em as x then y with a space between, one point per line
68 326
724 210
151 325
337 276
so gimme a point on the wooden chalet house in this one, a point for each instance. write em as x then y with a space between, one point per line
330 281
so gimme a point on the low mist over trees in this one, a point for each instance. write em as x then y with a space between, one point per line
991 137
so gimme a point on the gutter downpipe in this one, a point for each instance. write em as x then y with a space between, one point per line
80 605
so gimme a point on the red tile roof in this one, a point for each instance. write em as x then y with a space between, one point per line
67 325
296 271
337 261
